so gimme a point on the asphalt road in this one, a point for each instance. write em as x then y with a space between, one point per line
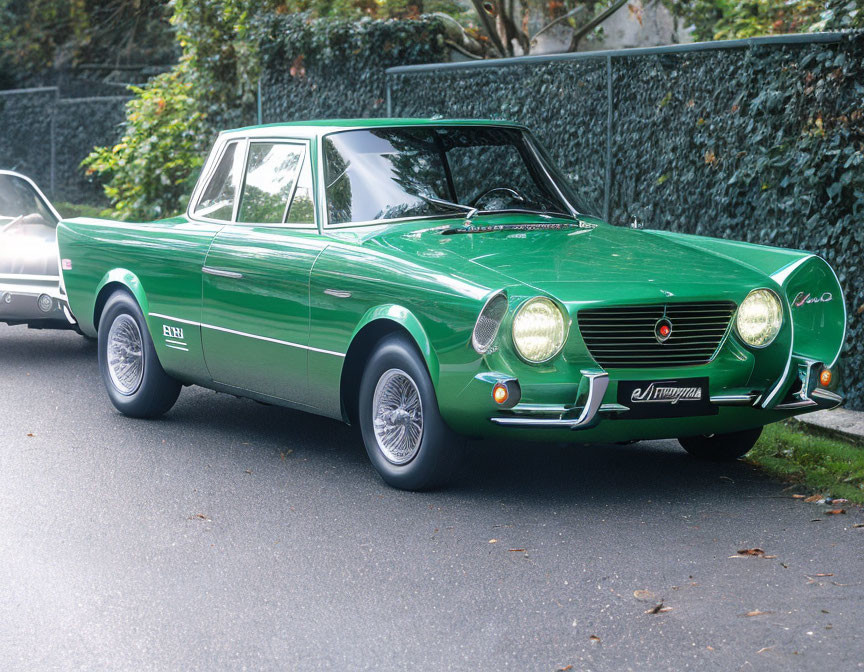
231 535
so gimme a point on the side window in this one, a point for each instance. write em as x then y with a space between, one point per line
302 210
217 201
271 173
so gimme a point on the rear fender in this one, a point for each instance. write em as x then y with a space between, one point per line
116 279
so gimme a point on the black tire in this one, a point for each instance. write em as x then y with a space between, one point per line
721 447
152 392
432 458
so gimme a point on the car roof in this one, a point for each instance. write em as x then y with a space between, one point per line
315 128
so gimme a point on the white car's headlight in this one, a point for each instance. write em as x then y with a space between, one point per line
759 318
539 330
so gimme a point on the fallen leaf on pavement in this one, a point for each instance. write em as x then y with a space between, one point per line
565 669
517 550
835 512
594 638
30 434
658 609
198 516
757 612
758 552
797 496
644 595
814 498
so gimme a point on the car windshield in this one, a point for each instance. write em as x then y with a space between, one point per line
391 173
18 198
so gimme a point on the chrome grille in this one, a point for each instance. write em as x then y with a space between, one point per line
623 336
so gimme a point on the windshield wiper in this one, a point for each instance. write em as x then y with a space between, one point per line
467 209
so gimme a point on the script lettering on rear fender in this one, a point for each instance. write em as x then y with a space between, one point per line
666 394
172 332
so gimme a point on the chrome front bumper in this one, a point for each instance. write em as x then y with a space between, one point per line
587 411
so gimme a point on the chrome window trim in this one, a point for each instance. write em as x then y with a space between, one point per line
325 215
307 154
219 148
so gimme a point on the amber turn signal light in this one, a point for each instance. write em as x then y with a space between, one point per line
825 377
500 393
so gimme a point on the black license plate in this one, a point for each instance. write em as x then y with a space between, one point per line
679 398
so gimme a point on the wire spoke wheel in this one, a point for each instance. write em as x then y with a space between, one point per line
397 416
125 354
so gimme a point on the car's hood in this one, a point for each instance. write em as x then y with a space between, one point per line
590 262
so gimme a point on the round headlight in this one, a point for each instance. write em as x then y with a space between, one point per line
539 330
759 318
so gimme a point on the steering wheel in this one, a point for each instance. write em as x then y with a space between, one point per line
11 223
512 193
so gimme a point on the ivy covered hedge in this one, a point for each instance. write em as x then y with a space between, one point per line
764 143
319 69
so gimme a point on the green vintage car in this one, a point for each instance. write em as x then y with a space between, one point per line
429 280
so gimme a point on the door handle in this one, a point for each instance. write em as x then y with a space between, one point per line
221 273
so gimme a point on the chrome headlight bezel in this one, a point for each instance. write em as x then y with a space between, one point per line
779 322
564 324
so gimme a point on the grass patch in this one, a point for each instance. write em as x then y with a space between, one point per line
825 465
69 210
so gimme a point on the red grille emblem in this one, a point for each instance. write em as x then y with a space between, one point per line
663 329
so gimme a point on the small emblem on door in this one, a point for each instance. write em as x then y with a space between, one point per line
172 332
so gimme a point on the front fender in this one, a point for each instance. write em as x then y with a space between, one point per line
408 321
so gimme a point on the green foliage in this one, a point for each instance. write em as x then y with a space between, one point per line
732 19
40 34
328 68
173 119
151 171
824 465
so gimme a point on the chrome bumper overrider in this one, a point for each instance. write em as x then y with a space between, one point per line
598 382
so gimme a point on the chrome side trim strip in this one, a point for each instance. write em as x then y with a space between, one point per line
174 319
248 335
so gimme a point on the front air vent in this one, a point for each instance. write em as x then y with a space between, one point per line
628 337
486 328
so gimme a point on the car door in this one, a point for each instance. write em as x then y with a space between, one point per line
256 275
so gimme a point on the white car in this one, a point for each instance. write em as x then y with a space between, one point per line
30 289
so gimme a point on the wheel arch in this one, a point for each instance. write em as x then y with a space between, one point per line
119 278
376 324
